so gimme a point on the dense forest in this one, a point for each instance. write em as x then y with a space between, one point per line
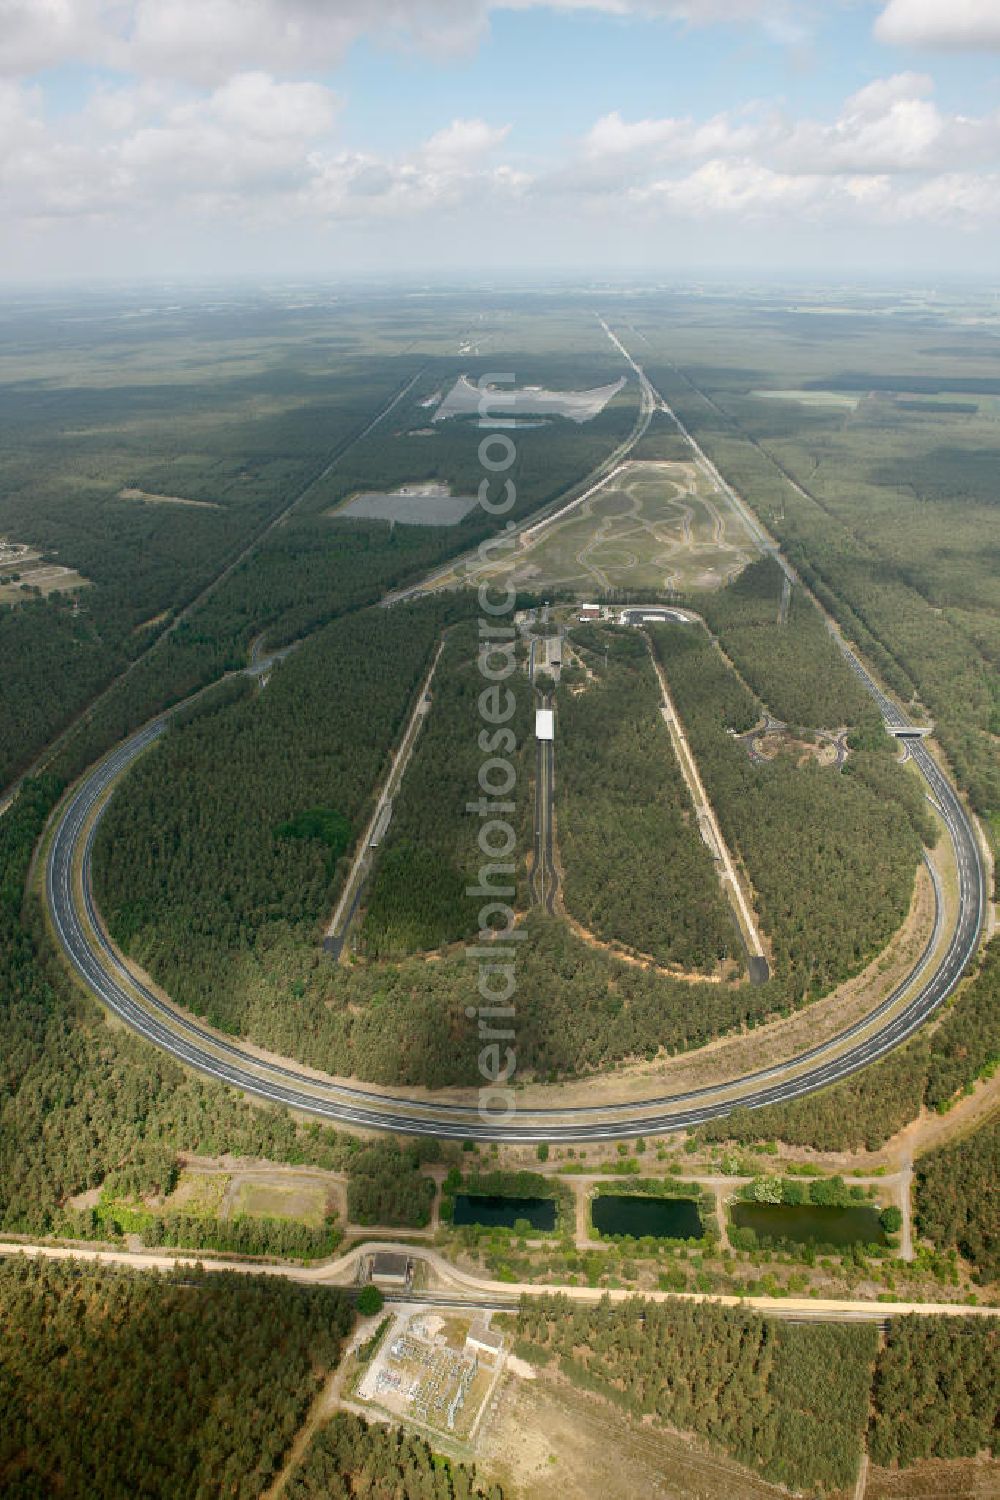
958 1198
789 1401
831 863
867 1108
793 1401
936 1391
386 1185
115 1382
244 1234
83 1103
66 459
198 855
417 896
350 1457
636 869
792 664
198 879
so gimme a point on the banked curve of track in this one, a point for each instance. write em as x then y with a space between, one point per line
103 971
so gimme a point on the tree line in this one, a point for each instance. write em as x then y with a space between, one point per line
350 1457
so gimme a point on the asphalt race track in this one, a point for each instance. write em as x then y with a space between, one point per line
105 975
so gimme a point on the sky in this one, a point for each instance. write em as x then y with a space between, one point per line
409 138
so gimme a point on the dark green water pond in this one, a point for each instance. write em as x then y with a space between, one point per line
811 1224
502 1212
666 1218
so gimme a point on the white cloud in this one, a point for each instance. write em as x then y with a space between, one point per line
257 148
882 93
205 41
890 126
744 189
951 25
254 150
40 33
464 140
611 136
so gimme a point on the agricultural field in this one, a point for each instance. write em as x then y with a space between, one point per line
655 527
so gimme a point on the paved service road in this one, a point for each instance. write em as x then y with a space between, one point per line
458 1288
102 970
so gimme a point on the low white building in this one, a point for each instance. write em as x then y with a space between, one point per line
481 1339
545 728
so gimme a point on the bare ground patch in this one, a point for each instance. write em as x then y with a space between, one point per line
263 1189
937 1479
150 499
549 1441
23 572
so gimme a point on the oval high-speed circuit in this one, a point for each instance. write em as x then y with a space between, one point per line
102 970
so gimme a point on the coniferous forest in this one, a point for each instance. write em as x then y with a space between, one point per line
958 1198
205 1378
831 863
123 1383
417 895
201 851
636 869
351 1457
785 653
936 1391
795 1402
866 1109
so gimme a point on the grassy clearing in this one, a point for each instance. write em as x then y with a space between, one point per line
199 1194
303 1202
811 398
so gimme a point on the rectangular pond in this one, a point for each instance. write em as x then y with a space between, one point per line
811 1223
637 1215
501 1212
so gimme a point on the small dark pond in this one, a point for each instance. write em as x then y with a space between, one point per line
811 1224
503 1212
666 1218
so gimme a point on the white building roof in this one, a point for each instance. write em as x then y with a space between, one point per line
544 724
